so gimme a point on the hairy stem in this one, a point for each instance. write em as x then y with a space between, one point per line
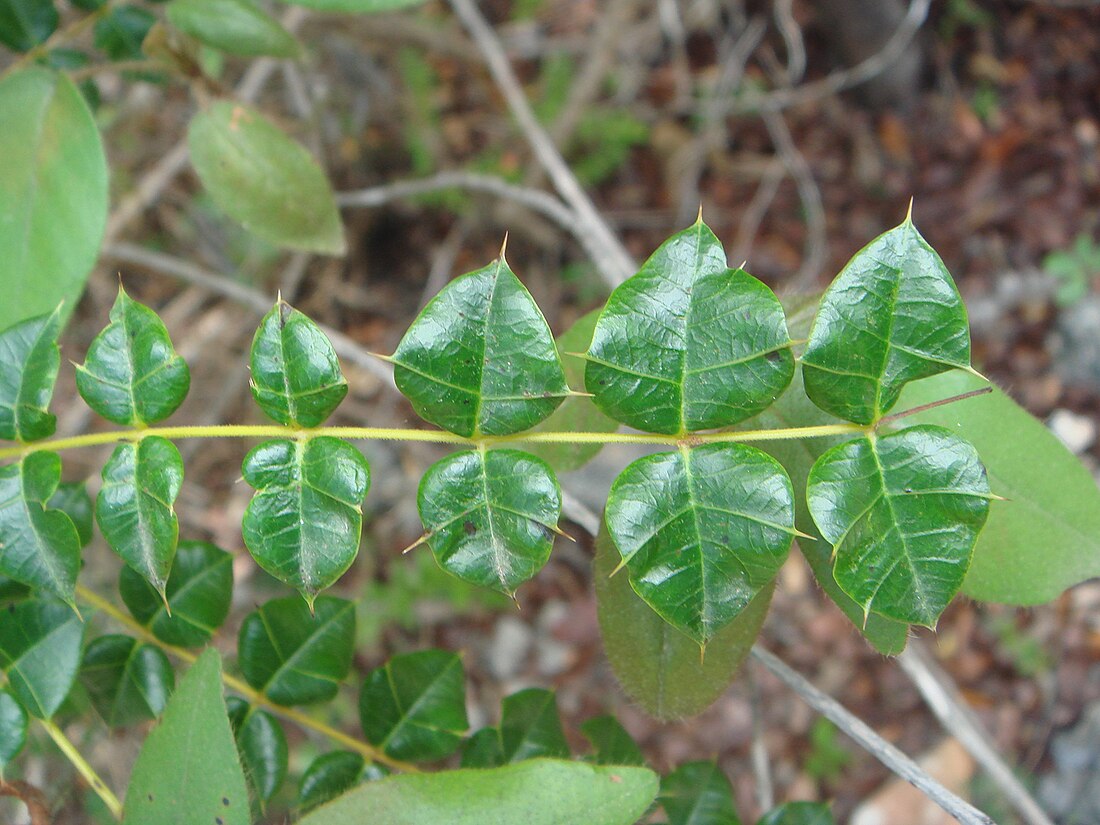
83 768
931 405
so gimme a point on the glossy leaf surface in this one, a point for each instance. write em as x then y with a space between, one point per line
536 792
480 359
611 743
132 375
702 531
261 745
26 23
234 26
902 512
304 522
657 665
38 546
72 499
198 593
29 358
892 315
128 682
53 194
295 658
688 344
296 377
798 813
1046 538
40 653
698 793
13 728
188 770
490 516
414 706
328 776
264 180
134 506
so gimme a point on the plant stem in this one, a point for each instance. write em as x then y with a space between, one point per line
931 405
243 688
83 768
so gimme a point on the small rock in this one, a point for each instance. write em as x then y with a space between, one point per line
1077 432
512 639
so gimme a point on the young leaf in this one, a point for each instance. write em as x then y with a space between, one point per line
296 377
26 23
304 522
1048 537
29 358
198 593
127 682
698 792
188 770
654 662
490 515
892 315
293 657
414 706
53 194
264 180
611 743
480 359
798 813
40 653
134 506
902 512
13 729
328 776
119 34
261 745
538 792
132 375
38 546
530 726
73 500
233 26
687 343
702 531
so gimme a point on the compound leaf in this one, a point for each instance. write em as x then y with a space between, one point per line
53 194
264 180
296 377
233 26
414 706
134 506
198 594
530 726
902 512
490 515
13 728
262 746
127 682
72 498
38 546
799 813
293 656
132 375
687 343
702 531
29 358
892 315
611 743
304 522
40 653
328 776
698 792
188 770
536 792
480 359
26 23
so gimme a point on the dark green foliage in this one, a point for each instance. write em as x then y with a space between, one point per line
40 643
127 681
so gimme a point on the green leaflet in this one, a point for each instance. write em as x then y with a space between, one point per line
328 776
53 194
264 180
26 23
72 499
296 377
29 359
702 531
611 744
188 770
40 653
479 359
294 657
198 593
414 706
304 522
13 729
798 813
233 26
902 512
262 746
134 506
490 516
132 375
688 344
530 728
536 792
892 315
127 682
38 546
657 665
120 33
698 792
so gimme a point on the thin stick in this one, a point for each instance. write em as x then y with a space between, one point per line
870 741
931 405
83 768
765 792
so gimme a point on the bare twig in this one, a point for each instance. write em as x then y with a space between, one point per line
37 807
942 697
754 213
861 733
765 793
792 40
